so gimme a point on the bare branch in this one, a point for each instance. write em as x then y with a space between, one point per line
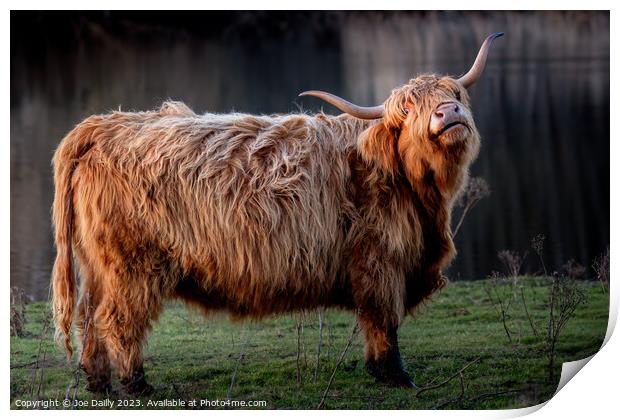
72 389
38 369
477 189
457 398
527 312
318 346
495 394
601 268
298 328
439 385
239 360
499 301
354 332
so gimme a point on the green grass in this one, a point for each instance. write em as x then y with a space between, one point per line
189 357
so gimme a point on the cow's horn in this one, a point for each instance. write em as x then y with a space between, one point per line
363 112
476 70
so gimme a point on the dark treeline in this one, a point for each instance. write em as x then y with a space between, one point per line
542 106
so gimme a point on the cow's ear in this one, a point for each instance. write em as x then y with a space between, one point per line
378 144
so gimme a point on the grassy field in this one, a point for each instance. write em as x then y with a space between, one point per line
189 357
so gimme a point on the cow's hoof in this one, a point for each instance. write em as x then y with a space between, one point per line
137 385
99 386
401 380
390 373
138 389
141 391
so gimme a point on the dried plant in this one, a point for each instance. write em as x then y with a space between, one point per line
72 388
574 270
527 313
477 189
298 322
504 288
501 297
565 293
352 336
300 318
601 268
565 296
38 370
447 381
512 261
18 312
538 245
320 312
233 378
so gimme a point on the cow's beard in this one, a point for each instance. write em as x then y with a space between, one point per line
453 135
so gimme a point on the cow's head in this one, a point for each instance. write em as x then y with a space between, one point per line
424 125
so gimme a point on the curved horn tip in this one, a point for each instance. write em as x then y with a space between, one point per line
310 93
493 36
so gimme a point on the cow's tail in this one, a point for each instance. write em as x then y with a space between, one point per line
73 146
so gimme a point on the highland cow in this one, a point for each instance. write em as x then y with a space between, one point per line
259 215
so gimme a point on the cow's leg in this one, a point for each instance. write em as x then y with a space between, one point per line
93 357
125 316
383 359
133 289
125 325
379 294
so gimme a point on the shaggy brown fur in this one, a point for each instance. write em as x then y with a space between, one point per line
255 215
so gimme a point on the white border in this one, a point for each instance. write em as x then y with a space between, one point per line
592 394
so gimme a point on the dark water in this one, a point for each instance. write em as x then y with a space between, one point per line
542 107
